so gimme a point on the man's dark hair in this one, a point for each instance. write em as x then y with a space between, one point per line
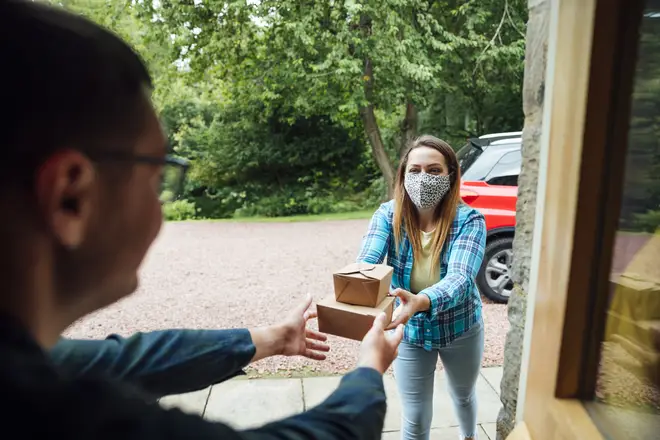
65 82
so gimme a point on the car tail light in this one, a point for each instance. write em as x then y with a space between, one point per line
469 196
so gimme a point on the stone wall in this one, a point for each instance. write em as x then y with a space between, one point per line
533 92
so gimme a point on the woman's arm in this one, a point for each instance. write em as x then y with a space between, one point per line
465 258
376 241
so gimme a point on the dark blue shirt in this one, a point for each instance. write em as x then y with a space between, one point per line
161 362
95 400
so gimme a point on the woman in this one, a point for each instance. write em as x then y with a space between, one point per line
435 244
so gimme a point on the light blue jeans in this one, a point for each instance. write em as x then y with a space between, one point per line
414 370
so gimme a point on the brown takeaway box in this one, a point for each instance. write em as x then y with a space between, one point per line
362 284
350 321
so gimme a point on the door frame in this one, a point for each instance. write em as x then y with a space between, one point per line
589 77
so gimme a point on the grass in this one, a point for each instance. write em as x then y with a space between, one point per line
356 215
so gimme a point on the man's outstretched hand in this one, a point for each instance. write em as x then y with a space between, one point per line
292 337
379 349
300 340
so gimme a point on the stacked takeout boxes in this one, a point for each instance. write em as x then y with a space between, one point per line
360 295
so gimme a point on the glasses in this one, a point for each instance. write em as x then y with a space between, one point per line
172 178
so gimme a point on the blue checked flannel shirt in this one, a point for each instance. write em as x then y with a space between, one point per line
455 299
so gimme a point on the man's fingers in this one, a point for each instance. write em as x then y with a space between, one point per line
314 355
310 314
399 320
380 322
318 346
313 334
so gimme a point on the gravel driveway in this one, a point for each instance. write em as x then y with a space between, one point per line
225 274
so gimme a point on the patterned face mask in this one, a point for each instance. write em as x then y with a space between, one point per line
426 190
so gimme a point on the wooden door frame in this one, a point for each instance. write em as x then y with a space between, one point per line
589 84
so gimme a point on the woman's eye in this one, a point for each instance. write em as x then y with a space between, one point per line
414 170
436 171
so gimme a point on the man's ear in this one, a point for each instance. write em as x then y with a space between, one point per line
66 188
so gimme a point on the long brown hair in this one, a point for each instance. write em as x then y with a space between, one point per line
405 213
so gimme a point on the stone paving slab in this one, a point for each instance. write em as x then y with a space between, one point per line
490 429
486 432
316 389
494 377
253 402
436 434
193 403
250 403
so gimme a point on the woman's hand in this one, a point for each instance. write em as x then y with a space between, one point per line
410 304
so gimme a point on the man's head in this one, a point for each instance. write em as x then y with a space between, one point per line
78 208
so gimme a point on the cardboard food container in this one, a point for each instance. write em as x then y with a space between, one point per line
362 284
350 321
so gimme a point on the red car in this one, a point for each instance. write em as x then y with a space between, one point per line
490 166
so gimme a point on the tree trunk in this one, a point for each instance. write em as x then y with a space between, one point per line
408 127
377 147
372 130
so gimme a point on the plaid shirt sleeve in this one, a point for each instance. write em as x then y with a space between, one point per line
376 241
465 257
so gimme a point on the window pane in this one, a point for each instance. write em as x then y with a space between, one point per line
627 401
508 166
466 156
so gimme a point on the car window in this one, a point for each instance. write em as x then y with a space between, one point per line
467 156
504 180
506 169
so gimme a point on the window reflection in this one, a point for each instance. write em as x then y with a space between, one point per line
627 401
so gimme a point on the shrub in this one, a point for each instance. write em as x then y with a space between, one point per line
179 210
648 222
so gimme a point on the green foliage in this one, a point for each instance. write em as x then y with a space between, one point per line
269 99
641 194
345 59
179 210
647 222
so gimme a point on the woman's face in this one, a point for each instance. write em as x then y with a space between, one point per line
428 160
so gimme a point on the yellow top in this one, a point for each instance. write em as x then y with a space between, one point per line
423 273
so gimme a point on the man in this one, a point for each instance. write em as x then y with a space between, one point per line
165 362
84 157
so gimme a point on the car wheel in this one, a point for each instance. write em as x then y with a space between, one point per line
494 278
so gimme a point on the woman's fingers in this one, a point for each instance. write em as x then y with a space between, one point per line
403 295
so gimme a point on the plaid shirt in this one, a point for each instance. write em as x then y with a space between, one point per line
455 299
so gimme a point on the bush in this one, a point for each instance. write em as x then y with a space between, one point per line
648 222
179 210
281 204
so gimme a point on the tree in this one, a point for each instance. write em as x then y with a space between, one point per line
356 61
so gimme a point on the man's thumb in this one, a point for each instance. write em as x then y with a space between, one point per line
305 304
398 333
380 322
